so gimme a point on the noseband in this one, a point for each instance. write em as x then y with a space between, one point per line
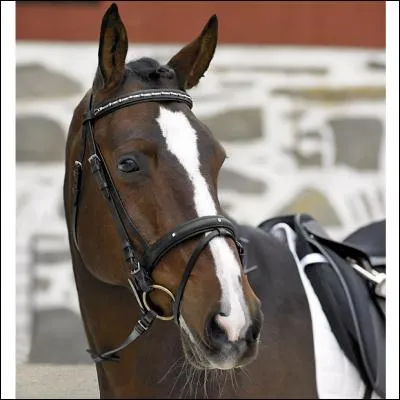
141 266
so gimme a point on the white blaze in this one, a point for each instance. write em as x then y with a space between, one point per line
181 140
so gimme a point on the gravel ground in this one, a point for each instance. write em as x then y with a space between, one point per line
37 381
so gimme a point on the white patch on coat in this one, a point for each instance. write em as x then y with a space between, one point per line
181 141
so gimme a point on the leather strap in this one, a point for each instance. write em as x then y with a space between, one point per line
141 96
186 231
368 392
142 326
190 265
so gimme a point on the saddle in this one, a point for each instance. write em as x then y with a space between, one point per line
349 279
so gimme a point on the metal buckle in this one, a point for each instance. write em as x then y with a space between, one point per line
145 328
378 278
373 276
240 247
94 156
165 290
136 269
135 292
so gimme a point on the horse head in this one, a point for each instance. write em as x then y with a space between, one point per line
157 167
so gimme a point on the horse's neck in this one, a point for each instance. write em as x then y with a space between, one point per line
109 314
153 366
286 337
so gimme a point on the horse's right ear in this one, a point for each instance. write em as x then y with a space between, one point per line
191 62
113 46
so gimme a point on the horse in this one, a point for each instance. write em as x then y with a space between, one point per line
168 307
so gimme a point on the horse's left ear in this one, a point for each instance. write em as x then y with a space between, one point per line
113 46
191 62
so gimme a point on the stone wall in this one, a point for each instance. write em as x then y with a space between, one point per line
304 129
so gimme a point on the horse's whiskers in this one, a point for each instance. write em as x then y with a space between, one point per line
179 375
170 369
188 379
243 370
235 379
231 376
226 378
219 372
197 382
205 383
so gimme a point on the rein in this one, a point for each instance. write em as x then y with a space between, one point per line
140 267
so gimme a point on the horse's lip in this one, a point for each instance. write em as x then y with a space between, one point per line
192 353
201 357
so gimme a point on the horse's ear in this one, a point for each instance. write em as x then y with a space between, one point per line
113 46
191 62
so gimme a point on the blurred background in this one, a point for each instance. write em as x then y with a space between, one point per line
296 94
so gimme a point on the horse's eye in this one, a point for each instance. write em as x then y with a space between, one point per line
128 165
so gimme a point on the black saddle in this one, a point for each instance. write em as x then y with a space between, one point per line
371 239
345 277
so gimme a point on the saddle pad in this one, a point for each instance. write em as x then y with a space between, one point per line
352 317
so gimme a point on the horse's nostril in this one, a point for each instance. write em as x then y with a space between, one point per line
254 331
215 333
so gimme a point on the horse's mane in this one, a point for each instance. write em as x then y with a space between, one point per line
148 70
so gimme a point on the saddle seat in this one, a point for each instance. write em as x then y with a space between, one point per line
371 239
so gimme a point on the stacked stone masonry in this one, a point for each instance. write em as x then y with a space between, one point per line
304 129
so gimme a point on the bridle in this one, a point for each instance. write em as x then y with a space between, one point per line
141 266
